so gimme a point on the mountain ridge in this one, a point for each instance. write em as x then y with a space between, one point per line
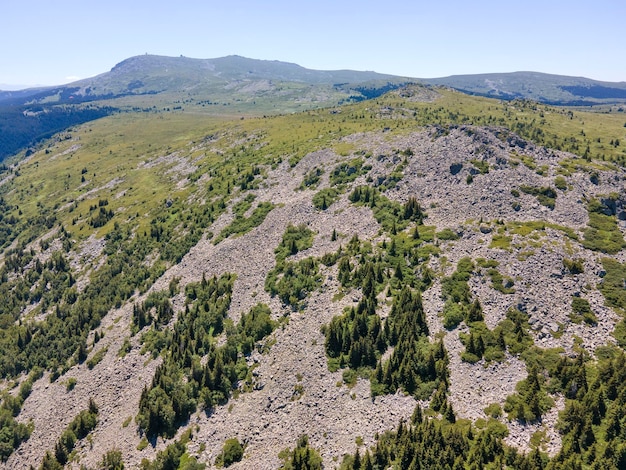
235 67
510 85
537 86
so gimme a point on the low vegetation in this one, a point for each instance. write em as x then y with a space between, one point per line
602 234
78 429
546 196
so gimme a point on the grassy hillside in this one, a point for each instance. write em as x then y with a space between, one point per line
118 148
219 272
228 86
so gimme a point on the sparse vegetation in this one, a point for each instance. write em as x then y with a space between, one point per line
447 234
574 266
97 358
173 456
347 172
312 178
242 225
456 294
602 234
182 382
545 195
78 429
503 284
581 311
324 198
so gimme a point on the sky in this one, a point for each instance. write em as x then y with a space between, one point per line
46 42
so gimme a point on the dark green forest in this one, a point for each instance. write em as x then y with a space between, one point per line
24 126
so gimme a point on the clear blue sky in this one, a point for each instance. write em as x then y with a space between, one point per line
54 41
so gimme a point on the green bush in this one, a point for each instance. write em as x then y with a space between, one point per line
574 266
303 457
348 172
112 460
447 234
292 281
560 183
503 284
232 452
254 326
481 165
612 285
602 233
581 310
494 411
97 358
453 315
312 178
545 195
324 198
242 225
530 402
295 239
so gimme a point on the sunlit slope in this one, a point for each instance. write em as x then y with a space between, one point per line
137 246
110 158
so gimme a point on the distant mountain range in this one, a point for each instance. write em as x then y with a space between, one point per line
206 78
542 87
234 84
151 74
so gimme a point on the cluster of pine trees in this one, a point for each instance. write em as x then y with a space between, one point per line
358 338
78 429
12 433
302 457
592 426
416 365
440 444
292 281
183 381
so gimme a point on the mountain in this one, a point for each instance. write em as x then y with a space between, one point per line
185 74
240 86
545 88
206 79
180 283
424 279
15 93
228 85
198 79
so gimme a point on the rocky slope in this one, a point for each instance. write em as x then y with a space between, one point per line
466 180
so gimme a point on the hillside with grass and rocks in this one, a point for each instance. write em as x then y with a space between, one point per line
423 279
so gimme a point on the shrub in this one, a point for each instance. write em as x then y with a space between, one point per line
232 452
452 315
603 233
560 183
324 198
574 266
546 196
97 358
447 234
581 310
